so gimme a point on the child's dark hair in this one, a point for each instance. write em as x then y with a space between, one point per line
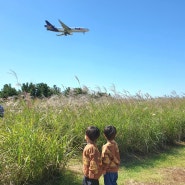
110 132
92 132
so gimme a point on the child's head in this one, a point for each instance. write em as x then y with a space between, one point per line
110 132
92 133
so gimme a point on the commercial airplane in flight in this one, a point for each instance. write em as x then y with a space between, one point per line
65 30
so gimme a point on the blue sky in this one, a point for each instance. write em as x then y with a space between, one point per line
132 45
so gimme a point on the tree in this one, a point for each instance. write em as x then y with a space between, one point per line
29 88
66 92
8 91
55 90
39 90
43 90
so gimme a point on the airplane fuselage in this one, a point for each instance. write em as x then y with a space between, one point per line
80 30
72 30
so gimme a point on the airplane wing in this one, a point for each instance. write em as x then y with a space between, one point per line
50 27
65 34
65 27
61 34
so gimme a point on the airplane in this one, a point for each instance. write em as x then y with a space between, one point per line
65 29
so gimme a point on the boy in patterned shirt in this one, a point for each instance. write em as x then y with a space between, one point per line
91 157
110 157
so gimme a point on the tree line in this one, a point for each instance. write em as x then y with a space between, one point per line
42 90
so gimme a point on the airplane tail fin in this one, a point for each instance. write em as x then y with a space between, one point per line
47 25
50 27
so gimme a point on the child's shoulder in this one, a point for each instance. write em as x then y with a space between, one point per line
91 148
106 145
110 144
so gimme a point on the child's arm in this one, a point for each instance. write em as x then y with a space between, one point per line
105 158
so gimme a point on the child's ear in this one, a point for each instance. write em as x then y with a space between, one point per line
86 137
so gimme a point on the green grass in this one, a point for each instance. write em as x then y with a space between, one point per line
32 147
153 168
39 137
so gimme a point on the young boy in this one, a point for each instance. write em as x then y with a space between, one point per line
110 157
91 157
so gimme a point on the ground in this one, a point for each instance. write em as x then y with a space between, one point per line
172 176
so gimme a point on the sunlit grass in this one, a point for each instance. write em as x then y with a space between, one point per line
39 137
33 146
151 168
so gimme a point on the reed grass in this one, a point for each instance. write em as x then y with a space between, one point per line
39 137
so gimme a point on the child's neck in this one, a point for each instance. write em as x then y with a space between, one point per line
90 142
110 140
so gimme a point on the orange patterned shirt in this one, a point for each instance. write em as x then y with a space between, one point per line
110 157
92 161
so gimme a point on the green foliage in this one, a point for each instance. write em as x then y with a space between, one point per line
40 90
79 91
67 91
8 91
38 137
74 92
30 150
55 90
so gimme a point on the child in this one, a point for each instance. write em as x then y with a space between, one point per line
110 157
91 157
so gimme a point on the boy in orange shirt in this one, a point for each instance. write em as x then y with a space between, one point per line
110 157
91 157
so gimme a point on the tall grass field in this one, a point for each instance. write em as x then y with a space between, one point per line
39 137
